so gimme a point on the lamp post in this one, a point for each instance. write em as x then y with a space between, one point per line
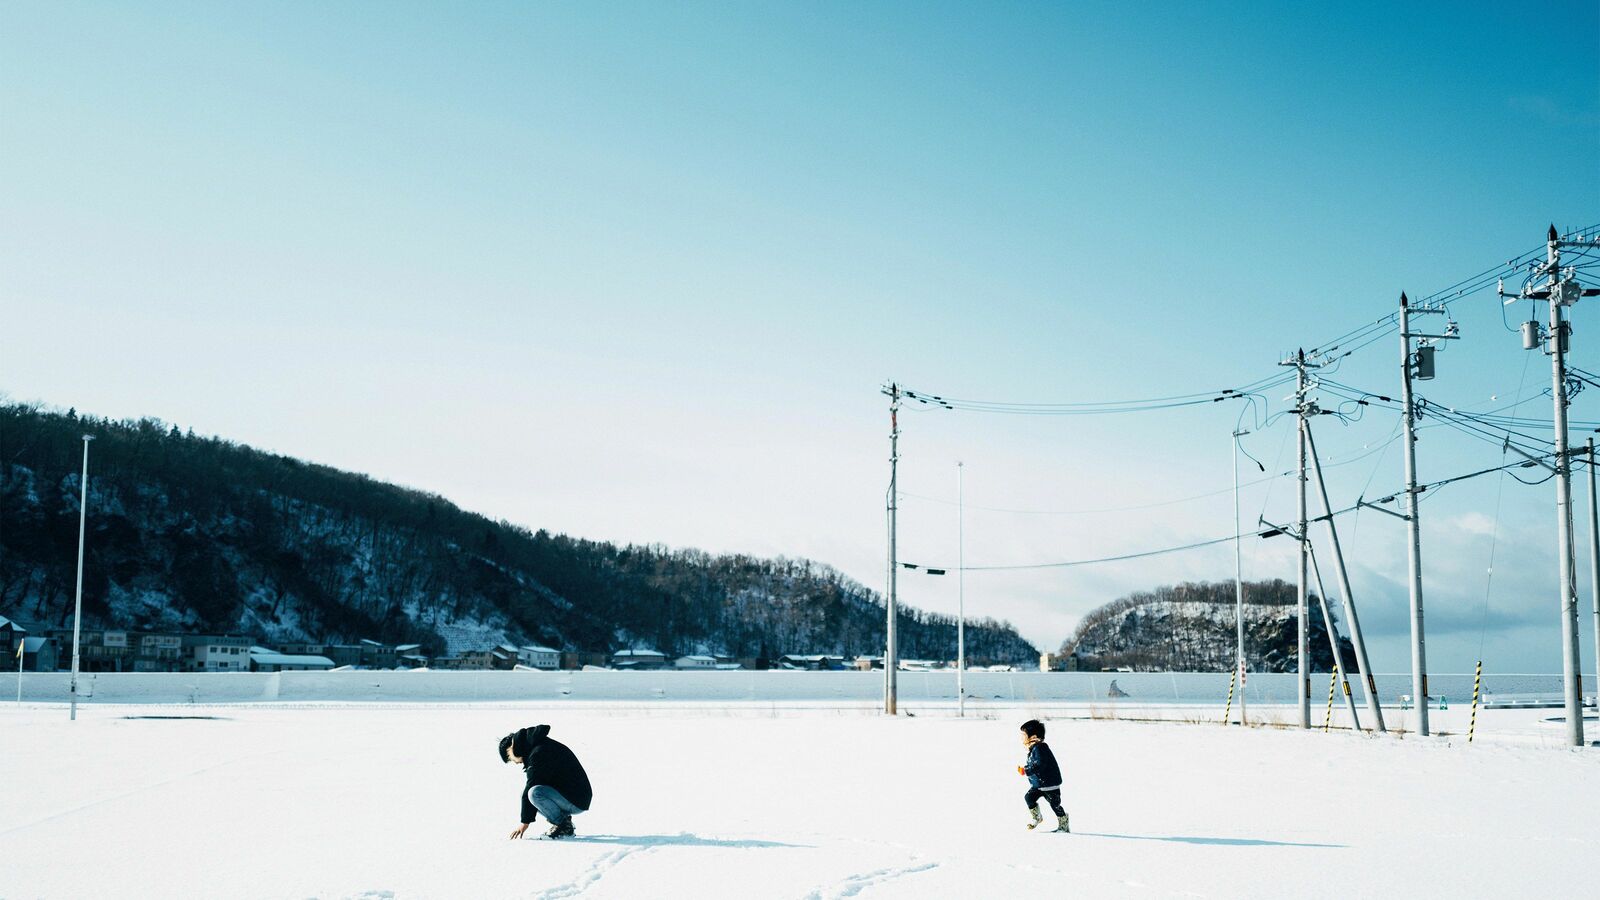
77 605
961 591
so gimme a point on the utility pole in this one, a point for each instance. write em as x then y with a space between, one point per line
891 649
1238 584
1419 667
1561 289
1563 292
961 590
1354 621
77 606
1594 569
1300 388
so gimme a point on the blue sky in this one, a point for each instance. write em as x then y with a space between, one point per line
636 271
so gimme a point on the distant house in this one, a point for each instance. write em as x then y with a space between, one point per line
341 654
473 659
11 634
218 653
377 656
697 662
503 657
813 661
539 657
264 660
638 659
576 660
130 651
38 654
410 656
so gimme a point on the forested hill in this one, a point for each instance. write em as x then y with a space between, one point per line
1192 627
199 534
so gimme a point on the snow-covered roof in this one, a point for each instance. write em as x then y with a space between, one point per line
626 653
32 644
5 621
271 658
541 649
711 659
407 648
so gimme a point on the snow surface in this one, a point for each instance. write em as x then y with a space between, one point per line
351 801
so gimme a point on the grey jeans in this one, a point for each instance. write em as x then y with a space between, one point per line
550 804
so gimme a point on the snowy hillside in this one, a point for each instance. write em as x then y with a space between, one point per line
1192 628
197 534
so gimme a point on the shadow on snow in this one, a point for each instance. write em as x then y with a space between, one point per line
684 840
1214 841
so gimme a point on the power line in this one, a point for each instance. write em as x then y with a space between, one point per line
1260 533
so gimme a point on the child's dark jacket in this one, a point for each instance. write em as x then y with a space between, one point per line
549 762
1041 768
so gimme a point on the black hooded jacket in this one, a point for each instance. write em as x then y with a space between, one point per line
549 762
1041 768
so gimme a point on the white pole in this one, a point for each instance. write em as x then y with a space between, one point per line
1419 662
1358 643
961 590
1594 569
1303 645
77 606
1571 680
1238 582
891 650
1333 641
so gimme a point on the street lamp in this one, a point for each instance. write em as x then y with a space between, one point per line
77 606
961 591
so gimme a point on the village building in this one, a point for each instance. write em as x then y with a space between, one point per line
537 657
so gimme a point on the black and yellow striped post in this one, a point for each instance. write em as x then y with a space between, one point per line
1228 712
1477 681
1333 683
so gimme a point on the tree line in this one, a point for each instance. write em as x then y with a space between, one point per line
197 533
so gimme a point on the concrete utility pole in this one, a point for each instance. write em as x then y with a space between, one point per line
961 590
1238 583
1419 666
891 650
1333 643
1562 293
1561 289
1594 569
1303 648
1354 621
77 606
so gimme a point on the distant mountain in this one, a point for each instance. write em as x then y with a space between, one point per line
199 534
1191 627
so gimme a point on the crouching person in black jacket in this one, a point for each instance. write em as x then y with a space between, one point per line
557 785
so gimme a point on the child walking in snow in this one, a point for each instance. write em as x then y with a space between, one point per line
1044 776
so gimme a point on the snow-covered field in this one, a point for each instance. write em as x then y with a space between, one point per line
261 801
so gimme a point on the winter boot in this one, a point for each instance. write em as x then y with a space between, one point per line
1061 823
564 830
1034 817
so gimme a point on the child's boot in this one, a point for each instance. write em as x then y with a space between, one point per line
1034 817
1061 823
